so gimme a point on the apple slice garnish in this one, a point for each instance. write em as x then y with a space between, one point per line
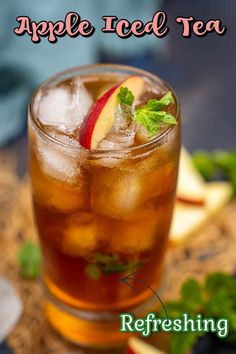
100 118
191 186
188 219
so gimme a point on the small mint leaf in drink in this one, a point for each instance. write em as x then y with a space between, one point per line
125 96
30 259
93 271
110 263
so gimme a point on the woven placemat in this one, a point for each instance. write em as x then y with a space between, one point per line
211 250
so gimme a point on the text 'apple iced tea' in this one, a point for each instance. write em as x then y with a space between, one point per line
103 210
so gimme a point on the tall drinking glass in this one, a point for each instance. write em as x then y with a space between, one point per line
100 214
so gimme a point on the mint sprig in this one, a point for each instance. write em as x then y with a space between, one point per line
215 298
217 164
151 115
109 263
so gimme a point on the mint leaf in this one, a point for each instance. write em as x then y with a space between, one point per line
168 119
225 160
29 258
217 164
216 281
121 267
105 258
191 294
232 179
215 298
174 309
125 96
205 164
110 263
226 164
182 342
113 263
221 297
151 117
93 271
220 304
155 105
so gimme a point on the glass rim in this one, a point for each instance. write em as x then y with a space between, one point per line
156 141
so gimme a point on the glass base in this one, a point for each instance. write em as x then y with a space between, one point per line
91 329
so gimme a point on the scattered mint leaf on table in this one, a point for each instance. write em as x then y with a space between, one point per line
30 258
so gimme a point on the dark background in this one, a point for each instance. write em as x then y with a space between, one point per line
203 73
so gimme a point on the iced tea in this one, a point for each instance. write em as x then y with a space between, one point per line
101 214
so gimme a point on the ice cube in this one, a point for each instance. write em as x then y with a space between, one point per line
53 107
127 190
11 308
82 102
80 235
64 106
136 235
123 130
115 193
61 162
57 163
117 140
83 233
60 196
123 118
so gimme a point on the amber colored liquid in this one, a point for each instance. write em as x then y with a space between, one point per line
122 209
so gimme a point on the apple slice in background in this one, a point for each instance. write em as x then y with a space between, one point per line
189 218
99 120
138 346
191 186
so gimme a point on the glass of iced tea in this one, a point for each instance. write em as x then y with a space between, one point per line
104 150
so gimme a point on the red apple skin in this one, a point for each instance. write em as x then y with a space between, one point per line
199 202
99 120
88 124
130 351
